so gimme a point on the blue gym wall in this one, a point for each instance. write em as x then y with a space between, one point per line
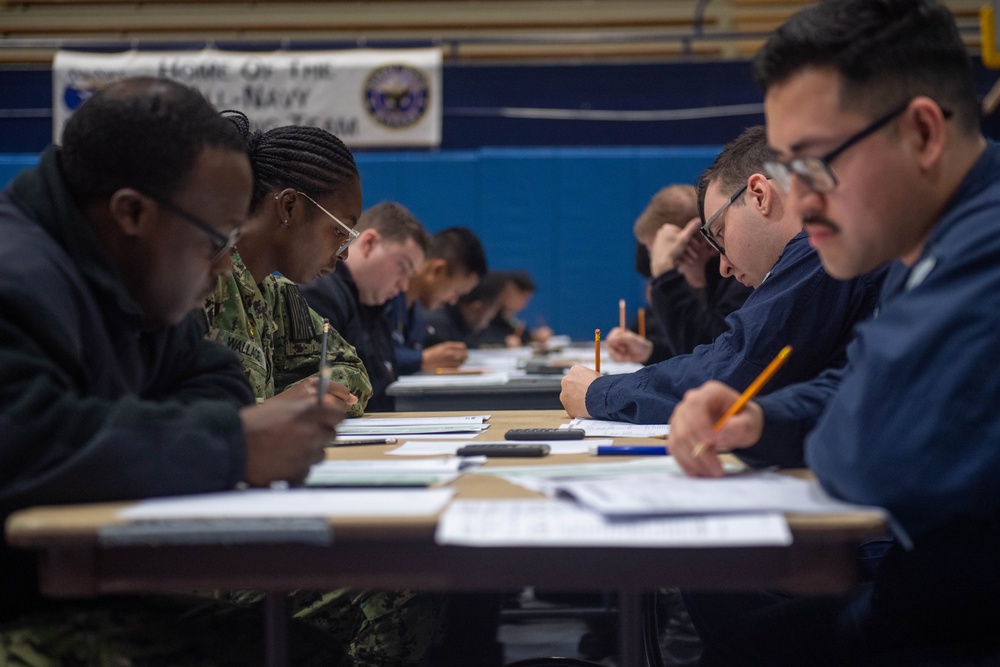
554 197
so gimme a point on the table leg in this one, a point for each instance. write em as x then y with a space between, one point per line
630 629
276 629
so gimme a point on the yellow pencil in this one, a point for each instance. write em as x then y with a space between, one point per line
621 314
325 372
747 395
642 322
597 350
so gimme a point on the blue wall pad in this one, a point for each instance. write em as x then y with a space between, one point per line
563 214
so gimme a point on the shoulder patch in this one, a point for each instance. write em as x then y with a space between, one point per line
300 326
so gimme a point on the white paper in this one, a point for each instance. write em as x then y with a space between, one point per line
406 431
433 381
449 464
671 494
388 473
415 421
554 523
613 429
292 503
449 448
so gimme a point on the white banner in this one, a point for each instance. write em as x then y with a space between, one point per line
366 97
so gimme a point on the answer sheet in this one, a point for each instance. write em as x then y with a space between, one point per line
613 429
659 494
291 503
491 523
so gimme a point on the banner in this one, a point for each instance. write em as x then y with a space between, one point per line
366 97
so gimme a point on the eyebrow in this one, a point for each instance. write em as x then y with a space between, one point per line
801 145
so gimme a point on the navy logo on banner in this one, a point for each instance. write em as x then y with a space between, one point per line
396 96
79 91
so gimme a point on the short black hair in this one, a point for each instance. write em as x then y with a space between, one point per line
460 248
886 51
140 132
303 157
642 260
740 159
522 281
488 289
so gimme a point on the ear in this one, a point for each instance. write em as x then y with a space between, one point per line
367 242
924 128
760 193
131 211
436 269
284 205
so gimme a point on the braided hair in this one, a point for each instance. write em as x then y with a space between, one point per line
297 156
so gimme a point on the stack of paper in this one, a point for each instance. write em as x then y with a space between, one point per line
382 473
407 427
451 447
267 503
492 523
613 429
494 379
660 494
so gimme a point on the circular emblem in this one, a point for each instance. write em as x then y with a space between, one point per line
396 96
79 91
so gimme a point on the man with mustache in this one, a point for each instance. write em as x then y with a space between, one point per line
872 113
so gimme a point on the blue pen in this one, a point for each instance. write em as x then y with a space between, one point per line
631 450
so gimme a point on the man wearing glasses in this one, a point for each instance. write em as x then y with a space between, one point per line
873 116
391 244
794 302
109 391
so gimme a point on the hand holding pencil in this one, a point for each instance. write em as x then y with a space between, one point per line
700 406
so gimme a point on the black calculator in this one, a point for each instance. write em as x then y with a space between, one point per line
505 450
545 434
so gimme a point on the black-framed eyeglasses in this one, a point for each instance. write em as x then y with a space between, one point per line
221 243
706 229
344 230
815 171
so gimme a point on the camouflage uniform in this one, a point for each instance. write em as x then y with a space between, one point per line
156 631
276 335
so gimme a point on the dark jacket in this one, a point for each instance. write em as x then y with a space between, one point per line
365 327
408 331
689 318
96 402
911 424
446 324
798 304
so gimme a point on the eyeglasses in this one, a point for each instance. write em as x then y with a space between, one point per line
221 243
344 230
814 170
706 229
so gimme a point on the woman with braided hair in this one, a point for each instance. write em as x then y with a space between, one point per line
306 200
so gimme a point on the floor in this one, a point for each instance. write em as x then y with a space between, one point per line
524 638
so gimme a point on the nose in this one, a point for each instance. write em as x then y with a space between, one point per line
223 265
803 201
343 256
726 268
